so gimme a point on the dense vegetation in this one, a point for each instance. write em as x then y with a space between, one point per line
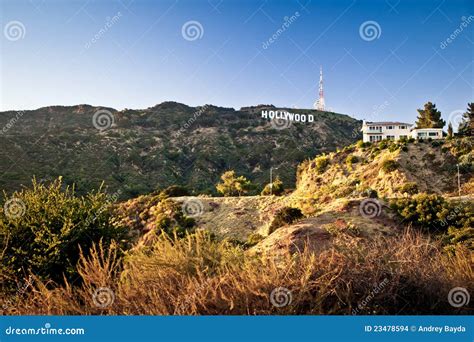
43 229
168 144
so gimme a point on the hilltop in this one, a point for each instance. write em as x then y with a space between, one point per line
171 143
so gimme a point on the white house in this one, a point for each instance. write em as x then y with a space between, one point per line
377 131
426 133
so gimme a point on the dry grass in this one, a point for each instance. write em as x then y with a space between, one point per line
201 276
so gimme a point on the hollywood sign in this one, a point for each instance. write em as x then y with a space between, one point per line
284 115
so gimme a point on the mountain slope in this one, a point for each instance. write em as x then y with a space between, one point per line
167 144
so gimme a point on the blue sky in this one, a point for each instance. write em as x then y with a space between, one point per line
143 58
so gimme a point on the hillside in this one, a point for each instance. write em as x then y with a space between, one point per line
332 192
392 169
170 143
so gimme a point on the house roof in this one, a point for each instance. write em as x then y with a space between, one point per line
387 123
426 129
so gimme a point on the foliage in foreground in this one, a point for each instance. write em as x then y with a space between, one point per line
432 213
43 228
198 275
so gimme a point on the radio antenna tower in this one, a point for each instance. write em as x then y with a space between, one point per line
319 104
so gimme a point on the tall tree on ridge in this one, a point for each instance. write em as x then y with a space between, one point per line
466 126
429 117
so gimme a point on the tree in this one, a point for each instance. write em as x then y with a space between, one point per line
275 188
466 126
450 130
232 185
429 117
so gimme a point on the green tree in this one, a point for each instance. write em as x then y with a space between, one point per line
466 127
232 185
43 228
275 188
429 117
450 130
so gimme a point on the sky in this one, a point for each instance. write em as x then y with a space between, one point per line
381 60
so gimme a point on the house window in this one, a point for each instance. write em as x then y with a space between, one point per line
403 137
422 134
433 134
390 137
403 127
373 138
389 127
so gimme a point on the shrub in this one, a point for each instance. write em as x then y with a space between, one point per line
284 216
275 188
171 220
174 191
433 213
253 239
404 148
232 185
351 159
321 164
409 188
361 144
389 165
437 143
43 228
371 193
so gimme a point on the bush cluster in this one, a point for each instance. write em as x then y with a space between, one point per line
49 226
284 216
389 165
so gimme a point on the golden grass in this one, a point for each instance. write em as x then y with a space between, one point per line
198 275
